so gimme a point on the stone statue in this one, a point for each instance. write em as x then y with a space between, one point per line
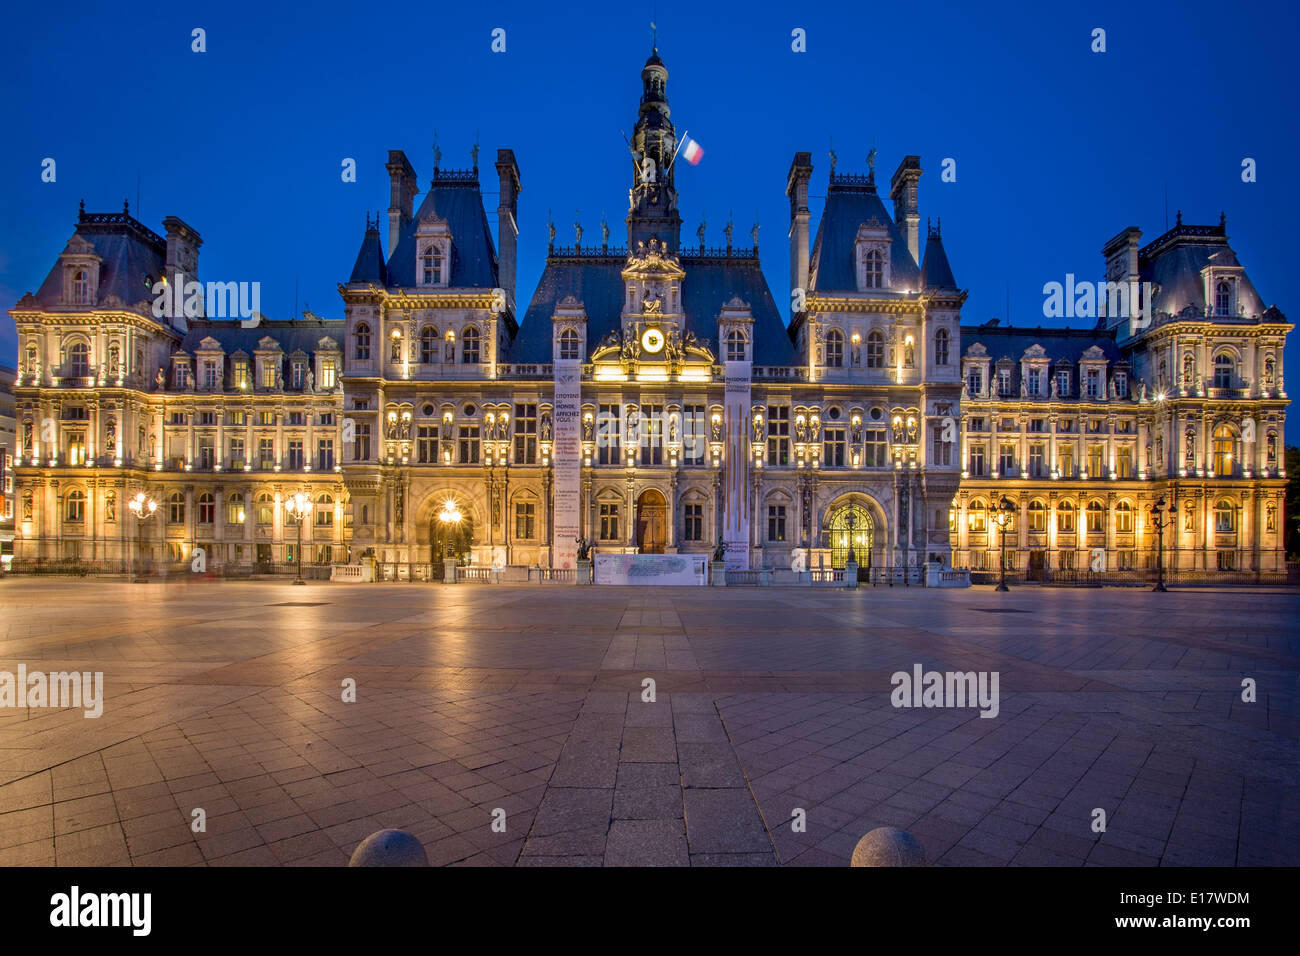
717 430
799 559
577 231
834 159
1142 393
871 161
1112 390
279 379
588 427
473 155
546 426
631 424
699 233
311 381
1055 389
754 234
550 229
160 378
672 428
727 230
857 434
110 507
758 430
1024 386
604 231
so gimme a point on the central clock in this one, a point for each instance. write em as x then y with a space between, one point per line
652 340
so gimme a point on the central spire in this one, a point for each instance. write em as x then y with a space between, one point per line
652 200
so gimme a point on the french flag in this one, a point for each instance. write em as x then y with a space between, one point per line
692 151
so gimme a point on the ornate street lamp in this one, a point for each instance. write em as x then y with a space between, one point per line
1002 517
143 507
1158 513
297 507
450 517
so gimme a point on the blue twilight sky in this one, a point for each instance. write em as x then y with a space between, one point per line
1057 148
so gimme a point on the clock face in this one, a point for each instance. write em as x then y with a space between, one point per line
652 340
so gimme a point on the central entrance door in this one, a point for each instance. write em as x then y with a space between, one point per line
651 522
852 532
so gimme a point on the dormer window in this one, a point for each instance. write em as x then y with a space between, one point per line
1093 382
1004 381
81 287
433 265
1223 299
1063 383
1033 382
569 345
211 374
875 270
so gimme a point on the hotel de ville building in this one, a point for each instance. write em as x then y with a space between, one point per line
648 396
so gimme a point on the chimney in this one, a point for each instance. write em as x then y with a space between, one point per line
507 223
796 187
182 249
401 207
1121 255
907 212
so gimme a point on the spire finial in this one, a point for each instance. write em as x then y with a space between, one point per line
437 153
1179 220
126 207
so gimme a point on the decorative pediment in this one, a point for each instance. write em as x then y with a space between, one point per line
209 344
976 350
1035 351
267 343
327 343
1094 353
79 246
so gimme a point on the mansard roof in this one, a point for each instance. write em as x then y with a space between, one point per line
133 258
850 202
597 282
298 335
1174 262
456 198
1058 345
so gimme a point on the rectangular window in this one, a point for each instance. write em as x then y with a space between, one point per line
299 374
426 444
776 523
1037 466
525 520
178 418
327 418
211 375
608 425
1124 461
974 381
1037 425
876 448
266 453
778 434
977 461
525 434
1004 381
237 418
266 418
237 453
361 444
327 375
1093 382
693 522
295 454
207 454
207 418
833 446
296 418
942 453
1096 460
1063 383
1006 460
235 508
651 428
325 454
268 375
241 373
469 444
1033 382
609 522
1065 460
694 440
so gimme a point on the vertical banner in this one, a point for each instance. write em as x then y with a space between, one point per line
567 459
735 520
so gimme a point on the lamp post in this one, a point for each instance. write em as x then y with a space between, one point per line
1158 512
450 518
143 507
297 507
1002 516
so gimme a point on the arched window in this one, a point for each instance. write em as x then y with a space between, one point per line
235 509
941 347
1223 371
1065 517
735 346
325 511
265 509
362 350
978 517
176 508
1222 298
76 509
875 271
570 348
207 508
79 359
875 350
834 348
1037 517
1225 443
469 353
1124 517
1225 517
1096 516
431 265
428 345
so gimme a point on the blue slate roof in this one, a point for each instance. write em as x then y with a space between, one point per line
299 334
369 266
1060 346
935 271
458 200
597 282
850 202
1174 262
133 258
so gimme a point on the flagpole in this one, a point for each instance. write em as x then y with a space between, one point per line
679 146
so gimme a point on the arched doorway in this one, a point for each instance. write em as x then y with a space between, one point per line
851 529
651 522
448 538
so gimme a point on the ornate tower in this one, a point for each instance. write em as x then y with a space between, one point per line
652 200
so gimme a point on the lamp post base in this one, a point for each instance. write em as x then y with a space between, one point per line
1160 587
140 580
1002 587
299 581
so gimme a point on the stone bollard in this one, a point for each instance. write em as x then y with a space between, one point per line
888 846
851 574
389 848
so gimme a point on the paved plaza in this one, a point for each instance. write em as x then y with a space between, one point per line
471 700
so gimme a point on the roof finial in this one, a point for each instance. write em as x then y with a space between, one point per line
1179 220
437 153
83 207
1223 220
126 207
871 160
